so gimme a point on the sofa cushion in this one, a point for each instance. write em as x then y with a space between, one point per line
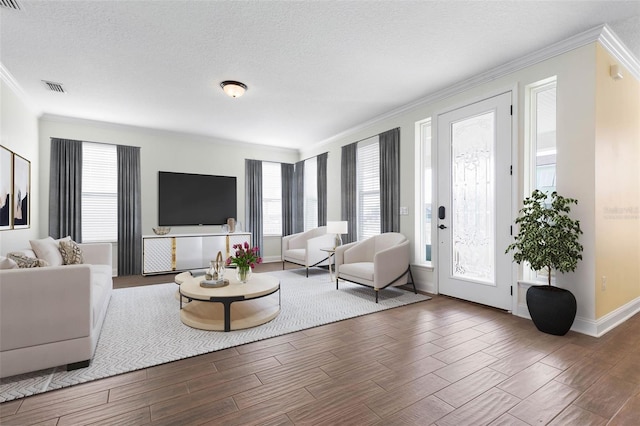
24 261
70 252
6 263
48 249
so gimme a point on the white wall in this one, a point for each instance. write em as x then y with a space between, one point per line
19 133
576 95
159 150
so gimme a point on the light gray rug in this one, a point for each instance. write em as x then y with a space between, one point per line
143 328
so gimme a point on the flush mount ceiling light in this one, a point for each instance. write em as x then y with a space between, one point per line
235 89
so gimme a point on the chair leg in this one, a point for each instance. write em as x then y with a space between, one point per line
412 282
376 290
336 282
283 265
307 272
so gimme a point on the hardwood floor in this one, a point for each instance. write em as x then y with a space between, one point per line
443 362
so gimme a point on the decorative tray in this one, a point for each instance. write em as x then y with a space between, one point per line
214 283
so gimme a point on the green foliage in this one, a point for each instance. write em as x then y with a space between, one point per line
548 237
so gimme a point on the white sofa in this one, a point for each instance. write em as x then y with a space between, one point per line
304 248
378 262
52 316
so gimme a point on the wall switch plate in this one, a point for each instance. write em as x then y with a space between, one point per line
404 211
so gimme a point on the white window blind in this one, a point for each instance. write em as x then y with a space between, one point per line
271 198
310 193
368 183
99 193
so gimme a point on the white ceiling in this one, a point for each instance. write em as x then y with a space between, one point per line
314 69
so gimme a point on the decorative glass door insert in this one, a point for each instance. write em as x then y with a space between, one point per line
473 201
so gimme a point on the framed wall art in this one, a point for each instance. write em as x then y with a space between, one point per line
6 188
21 192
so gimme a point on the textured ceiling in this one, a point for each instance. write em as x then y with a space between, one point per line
314 69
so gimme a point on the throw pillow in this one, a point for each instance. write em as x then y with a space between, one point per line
6 263
48 249
71 253
24 261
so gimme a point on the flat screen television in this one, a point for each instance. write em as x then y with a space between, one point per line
193 199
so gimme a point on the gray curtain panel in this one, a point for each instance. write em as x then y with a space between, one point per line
253 201
322 189
298 217
348 198
129 211
390 181
65 189
287 176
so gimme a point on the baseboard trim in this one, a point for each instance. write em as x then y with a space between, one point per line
617 317
271 259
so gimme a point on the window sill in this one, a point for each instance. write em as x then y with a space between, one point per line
423 267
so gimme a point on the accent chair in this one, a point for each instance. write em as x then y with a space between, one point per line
378 262
304 248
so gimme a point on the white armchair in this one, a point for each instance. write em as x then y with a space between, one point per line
378 262
303 248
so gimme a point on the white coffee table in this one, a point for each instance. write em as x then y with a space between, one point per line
234 307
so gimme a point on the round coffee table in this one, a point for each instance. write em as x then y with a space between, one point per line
234 307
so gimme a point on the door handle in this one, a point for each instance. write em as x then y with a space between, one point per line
442 227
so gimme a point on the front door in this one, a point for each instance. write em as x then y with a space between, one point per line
474 208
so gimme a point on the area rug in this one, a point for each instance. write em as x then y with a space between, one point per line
143 328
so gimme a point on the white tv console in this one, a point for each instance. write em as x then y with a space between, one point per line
163 254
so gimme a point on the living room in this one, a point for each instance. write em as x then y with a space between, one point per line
597 150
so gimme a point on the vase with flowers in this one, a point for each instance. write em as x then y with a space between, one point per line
245 259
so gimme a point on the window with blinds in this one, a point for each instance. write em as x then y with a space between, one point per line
368 188
310 193
271 198
99 193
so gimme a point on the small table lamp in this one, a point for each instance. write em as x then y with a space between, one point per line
338 228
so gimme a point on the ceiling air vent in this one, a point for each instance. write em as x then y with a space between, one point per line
54 87
10 4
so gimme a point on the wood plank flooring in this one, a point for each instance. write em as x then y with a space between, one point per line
441 362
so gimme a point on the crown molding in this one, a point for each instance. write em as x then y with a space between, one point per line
15 87
156 131
601 33
618 50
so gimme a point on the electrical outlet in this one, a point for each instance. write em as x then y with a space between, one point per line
604 283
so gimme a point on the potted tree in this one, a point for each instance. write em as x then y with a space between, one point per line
548 240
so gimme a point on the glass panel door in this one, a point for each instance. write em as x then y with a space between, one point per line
474 202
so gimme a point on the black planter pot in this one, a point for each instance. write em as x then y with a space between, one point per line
552 309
